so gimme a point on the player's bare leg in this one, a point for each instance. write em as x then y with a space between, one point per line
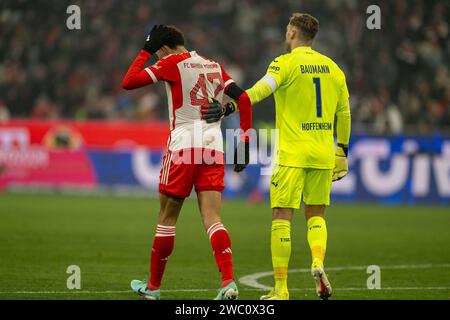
209 203
317 239
170 209
280 245
162 248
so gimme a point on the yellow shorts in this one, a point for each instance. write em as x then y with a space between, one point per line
288 183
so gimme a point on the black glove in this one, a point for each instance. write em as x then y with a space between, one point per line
156 38
229 108
241 156
212 112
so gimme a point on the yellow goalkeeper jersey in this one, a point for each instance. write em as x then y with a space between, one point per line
311 88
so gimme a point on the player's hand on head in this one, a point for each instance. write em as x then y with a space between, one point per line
340 163
212 112
241 156
156 38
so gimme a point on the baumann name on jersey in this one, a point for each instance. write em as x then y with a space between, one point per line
310 68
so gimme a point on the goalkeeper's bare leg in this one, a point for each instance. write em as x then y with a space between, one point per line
317 239
280 245
209 203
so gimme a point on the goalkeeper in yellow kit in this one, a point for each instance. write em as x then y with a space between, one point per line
309 91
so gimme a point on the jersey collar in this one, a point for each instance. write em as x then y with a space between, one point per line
301 48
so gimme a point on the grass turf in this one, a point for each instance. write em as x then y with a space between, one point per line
109 238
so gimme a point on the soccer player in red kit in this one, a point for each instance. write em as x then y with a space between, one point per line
195 89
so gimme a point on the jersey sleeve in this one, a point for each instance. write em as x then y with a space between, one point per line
165 69
277 69
136 77
232 90
261 89
227 80
343 124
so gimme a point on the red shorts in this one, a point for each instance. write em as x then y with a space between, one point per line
177 177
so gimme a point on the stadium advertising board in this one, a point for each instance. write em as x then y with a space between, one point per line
122 154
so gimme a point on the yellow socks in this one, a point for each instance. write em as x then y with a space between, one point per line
281 252
317 239
281 247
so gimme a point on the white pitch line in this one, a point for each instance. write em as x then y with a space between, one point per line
362 289
251 280
64 292
99 292
207 290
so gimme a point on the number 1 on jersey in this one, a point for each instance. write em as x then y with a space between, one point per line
318 97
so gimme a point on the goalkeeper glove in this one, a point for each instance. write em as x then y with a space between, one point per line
340 162
241 156
156 38
214 111
229 108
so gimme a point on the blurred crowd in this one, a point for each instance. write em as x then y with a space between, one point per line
398 76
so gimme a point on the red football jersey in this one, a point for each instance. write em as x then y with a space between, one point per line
190 81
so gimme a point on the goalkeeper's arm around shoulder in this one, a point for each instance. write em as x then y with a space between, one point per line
260 90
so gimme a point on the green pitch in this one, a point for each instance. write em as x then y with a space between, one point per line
109 239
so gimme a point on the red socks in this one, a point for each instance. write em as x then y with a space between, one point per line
221 245
162 248
163 244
